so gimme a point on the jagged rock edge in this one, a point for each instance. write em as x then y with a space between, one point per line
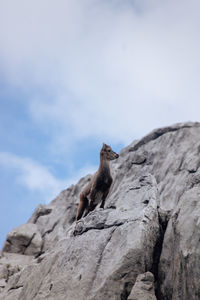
108 226
159 132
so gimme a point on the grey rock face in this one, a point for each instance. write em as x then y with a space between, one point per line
150 225
85 266
143 288
180 259
25 239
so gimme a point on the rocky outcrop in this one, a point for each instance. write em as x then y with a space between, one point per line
143 288
143 245
25 239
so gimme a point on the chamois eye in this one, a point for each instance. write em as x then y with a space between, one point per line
108 150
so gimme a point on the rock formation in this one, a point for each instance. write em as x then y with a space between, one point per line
143 288
143 245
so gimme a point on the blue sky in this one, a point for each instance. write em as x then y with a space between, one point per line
74 74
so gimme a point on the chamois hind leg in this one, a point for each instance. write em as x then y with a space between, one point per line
83 205
90 208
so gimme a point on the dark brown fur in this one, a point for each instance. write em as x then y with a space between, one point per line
98 188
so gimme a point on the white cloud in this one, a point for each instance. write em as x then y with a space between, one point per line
108 69
32 175
36 177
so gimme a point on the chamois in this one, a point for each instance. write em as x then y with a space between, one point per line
98 188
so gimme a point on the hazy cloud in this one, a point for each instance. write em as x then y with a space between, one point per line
36 177
32 175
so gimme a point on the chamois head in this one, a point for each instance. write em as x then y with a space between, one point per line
108 153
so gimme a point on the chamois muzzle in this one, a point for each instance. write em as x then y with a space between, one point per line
114 156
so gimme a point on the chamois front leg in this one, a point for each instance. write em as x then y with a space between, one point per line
105 194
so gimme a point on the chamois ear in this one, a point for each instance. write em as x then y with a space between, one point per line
103 147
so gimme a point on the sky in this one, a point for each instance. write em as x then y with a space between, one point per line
77 73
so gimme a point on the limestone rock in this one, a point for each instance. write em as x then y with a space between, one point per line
11 264
25 239
180 259
143 288
65 273
150 225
